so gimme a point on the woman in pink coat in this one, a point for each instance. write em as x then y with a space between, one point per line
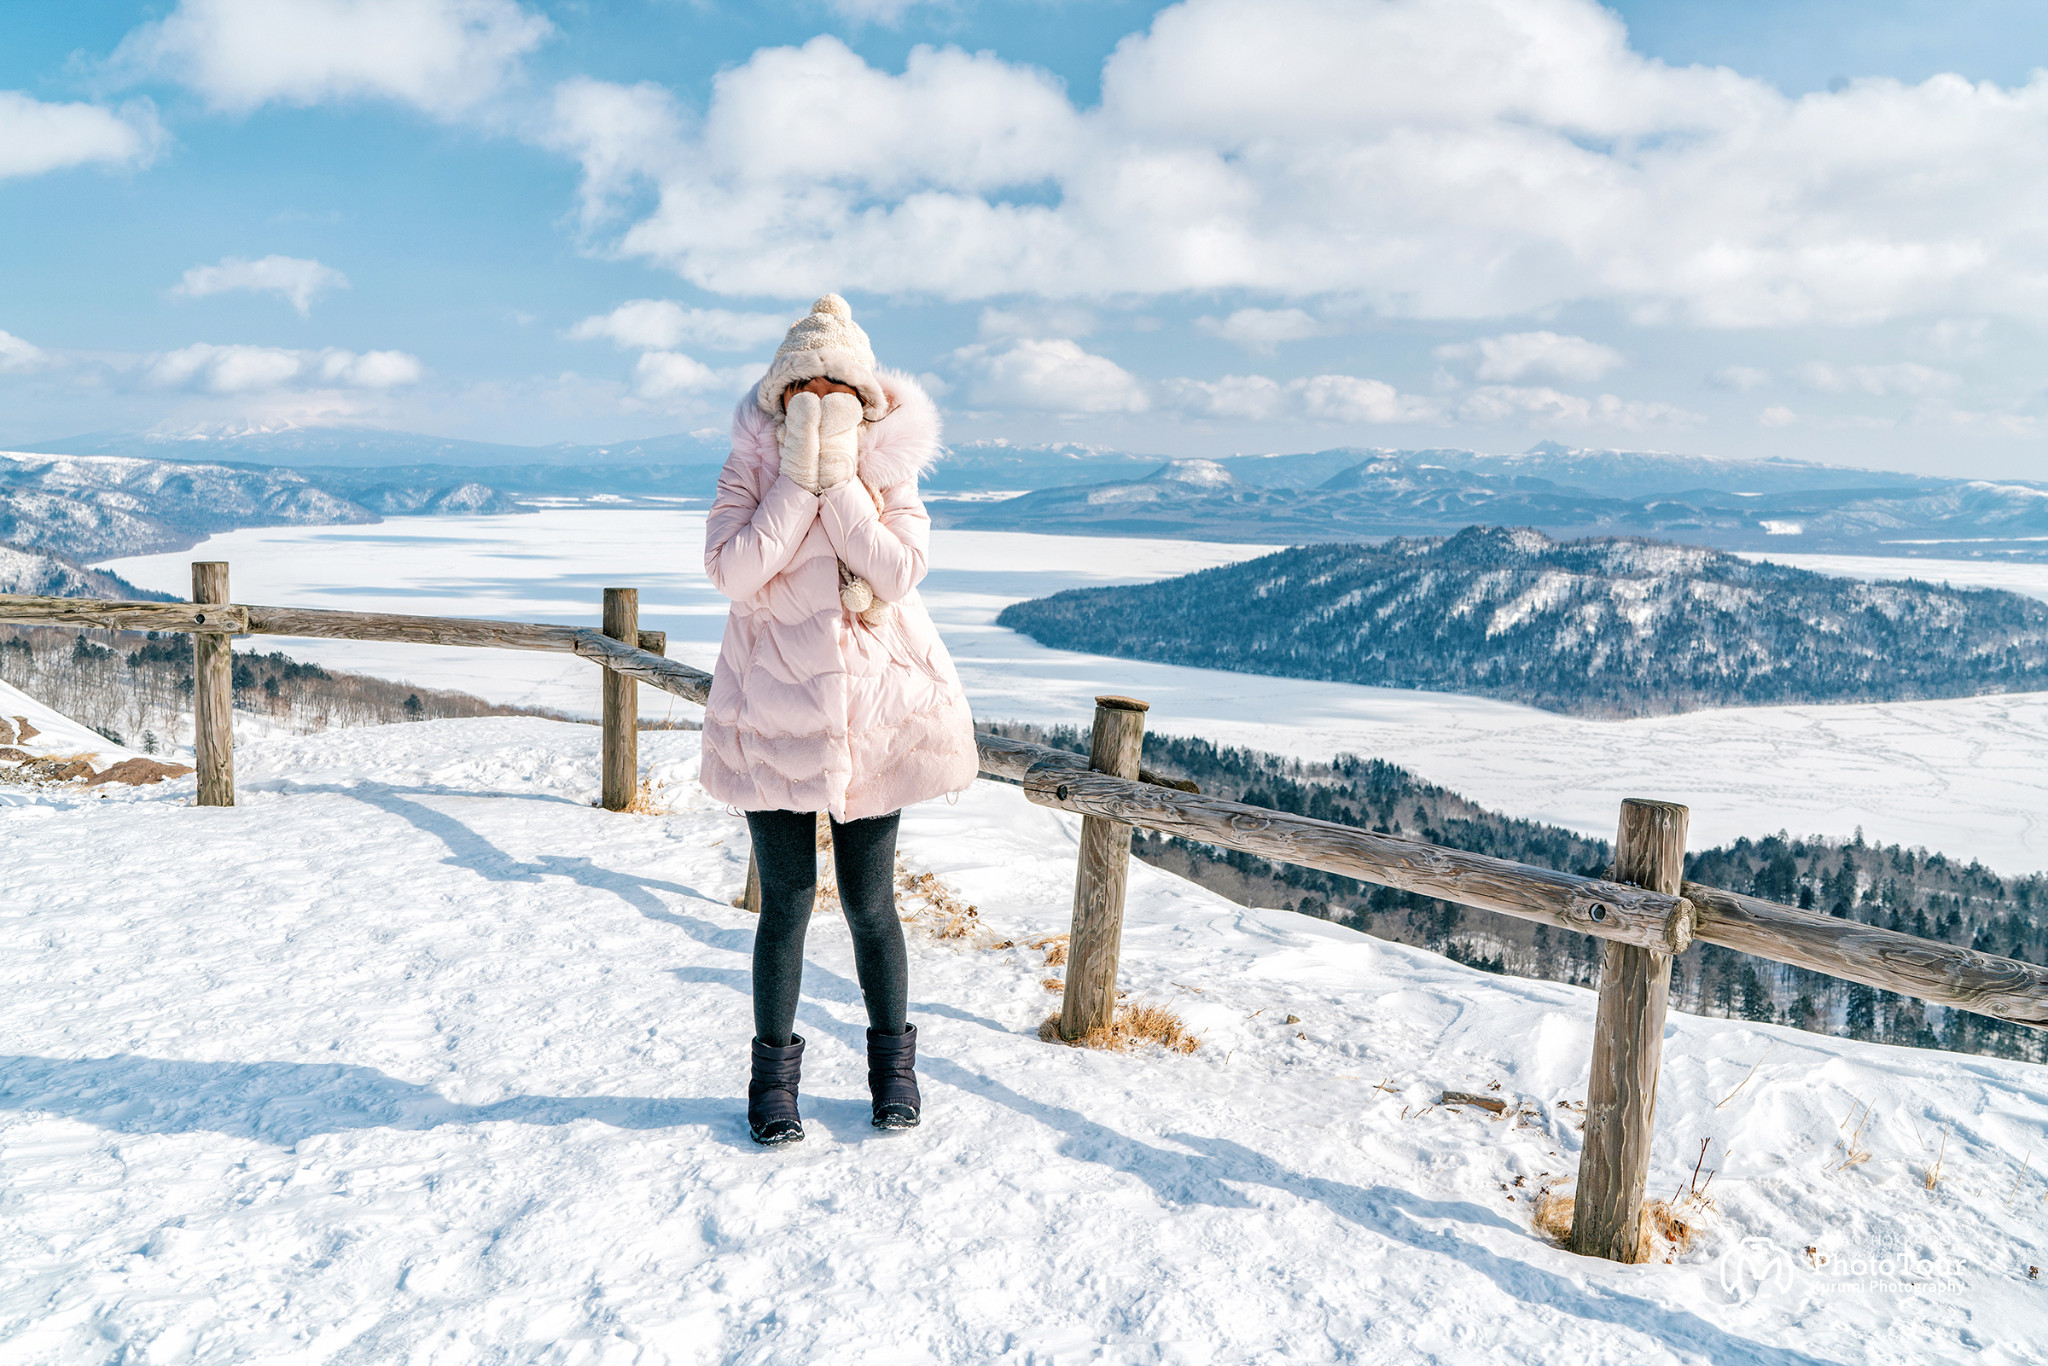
832 691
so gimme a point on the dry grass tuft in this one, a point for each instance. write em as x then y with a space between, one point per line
1672 1224
1851 1151
1055 946
648 799
925 901
1554 1217
1131 1027
1934 1172
1053 984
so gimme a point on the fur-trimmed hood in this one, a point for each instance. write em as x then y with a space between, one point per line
903 445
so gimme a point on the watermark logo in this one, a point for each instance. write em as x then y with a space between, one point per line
1754 1265
1757 1266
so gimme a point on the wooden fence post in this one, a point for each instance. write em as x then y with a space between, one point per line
1100 871
213 693
1628 1045
621 704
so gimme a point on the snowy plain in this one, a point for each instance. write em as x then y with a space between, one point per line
1965 777
414 1056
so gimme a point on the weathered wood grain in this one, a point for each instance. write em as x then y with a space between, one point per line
1101 870
621 701
325 624
27 610
1946 974
647 666
1588 905
667 674
1628 1048
1007 760
213 691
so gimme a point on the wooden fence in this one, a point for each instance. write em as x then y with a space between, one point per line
1645 913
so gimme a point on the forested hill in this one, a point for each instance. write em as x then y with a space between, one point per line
1601 627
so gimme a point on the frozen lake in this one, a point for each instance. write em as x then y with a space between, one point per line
1968 777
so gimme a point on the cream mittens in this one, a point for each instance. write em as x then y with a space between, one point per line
838 440
800 438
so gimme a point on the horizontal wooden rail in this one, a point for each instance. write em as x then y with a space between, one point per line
1946 974
323 624
24 610
1008 760
1628 915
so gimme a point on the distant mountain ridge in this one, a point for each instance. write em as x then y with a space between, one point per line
1364 495
1599 627
363 447
97 507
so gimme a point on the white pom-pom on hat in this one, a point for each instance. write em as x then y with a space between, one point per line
825 343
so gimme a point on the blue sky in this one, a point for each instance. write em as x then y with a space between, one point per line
1804 229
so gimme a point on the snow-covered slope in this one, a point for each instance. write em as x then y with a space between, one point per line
415 1056
56 733
46 575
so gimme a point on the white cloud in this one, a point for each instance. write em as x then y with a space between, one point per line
1909 378
1319 398
1036 320
1051 375
670 375
874 11
1433 158
1539 405
1262 329
257 369
442 56
18 356
663 325
1515 355
1341 398
1248 397
1741 378
36 137
1777 415
1956 338
294 279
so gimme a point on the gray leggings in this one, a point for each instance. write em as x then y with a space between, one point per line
864 857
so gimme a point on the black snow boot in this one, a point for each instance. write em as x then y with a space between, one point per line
771 1095
892 1078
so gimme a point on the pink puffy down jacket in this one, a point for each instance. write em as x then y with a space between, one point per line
812 709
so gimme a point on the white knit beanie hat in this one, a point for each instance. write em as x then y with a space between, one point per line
825 342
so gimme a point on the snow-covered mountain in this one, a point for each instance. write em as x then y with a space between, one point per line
45 575
91 507
358 447
1605 627
414 1055
1784 506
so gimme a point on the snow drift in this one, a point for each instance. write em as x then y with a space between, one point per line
416 1056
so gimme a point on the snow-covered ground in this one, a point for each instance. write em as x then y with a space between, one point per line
1965 777
413 1056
